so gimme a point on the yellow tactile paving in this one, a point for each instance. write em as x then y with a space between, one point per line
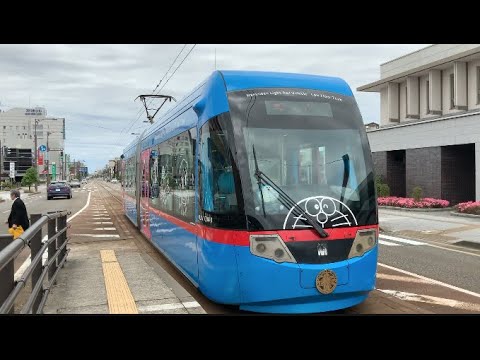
119 297
108 256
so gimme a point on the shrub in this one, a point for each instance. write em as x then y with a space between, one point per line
424 203
469 207
417 193
383 190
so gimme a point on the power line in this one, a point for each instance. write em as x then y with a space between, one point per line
156 87
176 69
168 78
139 113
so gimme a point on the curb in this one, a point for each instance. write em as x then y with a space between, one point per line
455 213
415 209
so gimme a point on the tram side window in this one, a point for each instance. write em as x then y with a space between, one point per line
172 176
165 176
183 173
130 176
218 200
154 176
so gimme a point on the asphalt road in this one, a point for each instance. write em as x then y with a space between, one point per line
454 268
38 204
440 278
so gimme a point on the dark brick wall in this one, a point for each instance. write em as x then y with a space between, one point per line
423 168
380 163
458 173
396 172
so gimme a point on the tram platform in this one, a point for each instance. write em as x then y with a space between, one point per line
107 272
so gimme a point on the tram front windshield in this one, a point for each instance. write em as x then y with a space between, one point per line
312 148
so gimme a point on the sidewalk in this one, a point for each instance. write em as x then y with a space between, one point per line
5 194
438 226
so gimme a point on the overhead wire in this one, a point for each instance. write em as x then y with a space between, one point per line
164 84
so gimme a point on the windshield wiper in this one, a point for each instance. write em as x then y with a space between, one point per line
346 175
284 198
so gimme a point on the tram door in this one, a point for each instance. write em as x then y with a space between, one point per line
145 193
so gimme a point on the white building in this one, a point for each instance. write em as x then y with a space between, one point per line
429 133
17 130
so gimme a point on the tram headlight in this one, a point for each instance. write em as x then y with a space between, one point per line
270 247
364 240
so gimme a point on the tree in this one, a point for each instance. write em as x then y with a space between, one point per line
30 177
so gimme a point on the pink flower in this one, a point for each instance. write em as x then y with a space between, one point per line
411 203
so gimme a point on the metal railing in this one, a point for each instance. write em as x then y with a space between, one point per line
56 244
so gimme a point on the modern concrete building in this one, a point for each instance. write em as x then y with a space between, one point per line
17 131
429 133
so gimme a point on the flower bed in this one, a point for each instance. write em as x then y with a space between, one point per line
410 203
470 207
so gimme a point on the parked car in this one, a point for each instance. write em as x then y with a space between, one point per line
59 189
114 181
75 183
84 181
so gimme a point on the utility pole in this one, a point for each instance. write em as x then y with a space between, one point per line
47 162
1 160
36 150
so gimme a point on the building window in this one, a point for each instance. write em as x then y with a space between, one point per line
428 97
452 91
478 85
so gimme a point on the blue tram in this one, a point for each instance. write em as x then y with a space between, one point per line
259 188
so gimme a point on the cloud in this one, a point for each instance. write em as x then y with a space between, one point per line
94 86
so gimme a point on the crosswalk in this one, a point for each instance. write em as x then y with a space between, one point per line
388 240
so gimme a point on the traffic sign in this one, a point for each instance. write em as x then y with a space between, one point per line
42 148
12 169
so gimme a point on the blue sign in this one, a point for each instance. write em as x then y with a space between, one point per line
42 148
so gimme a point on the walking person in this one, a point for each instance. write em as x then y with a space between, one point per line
18 215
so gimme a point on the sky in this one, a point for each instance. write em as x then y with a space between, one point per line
94 86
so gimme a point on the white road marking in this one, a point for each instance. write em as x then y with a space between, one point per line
433 300
27 263
191 304
400 278
401 240
80 211
102 218
412 242
5 211
432 281
388 243
162 307
107 228
103 223
97 235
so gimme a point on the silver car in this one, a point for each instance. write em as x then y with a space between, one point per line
75 183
